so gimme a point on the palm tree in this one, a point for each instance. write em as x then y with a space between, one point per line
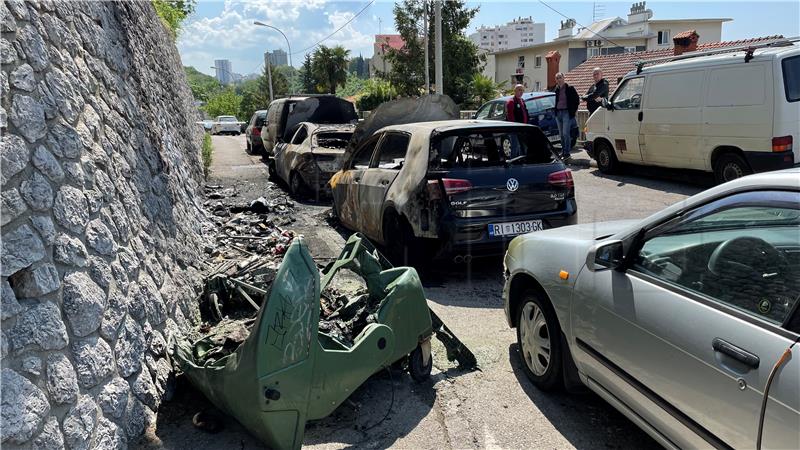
330 66
484 88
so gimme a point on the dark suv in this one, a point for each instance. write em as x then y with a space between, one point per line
252 133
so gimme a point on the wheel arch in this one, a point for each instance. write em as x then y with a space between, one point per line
520 283
604 140
723 149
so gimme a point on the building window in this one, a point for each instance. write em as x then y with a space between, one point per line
630 49
593 51
537 86
663 37
521 62
537 61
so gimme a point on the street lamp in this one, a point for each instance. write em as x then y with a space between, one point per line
224 70
262 24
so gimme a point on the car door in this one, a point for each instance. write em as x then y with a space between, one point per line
624 120
286 154
383 169
345 190
688 335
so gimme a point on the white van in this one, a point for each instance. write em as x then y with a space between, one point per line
731 114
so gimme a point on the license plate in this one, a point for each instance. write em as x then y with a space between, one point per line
554 138
515 228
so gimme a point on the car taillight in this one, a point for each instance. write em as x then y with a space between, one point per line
782 144
561 178
455 186
256 131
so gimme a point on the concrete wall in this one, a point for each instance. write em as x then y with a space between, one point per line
101 220
708 31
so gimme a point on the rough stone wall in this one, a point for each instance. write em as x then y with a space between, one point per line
101 220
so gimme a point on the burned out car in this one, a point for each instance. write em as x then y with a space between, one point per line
314 153
458 187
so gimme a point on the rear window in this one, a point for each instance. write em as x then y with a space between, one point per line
490 148
334 139
260 119
541 104
227 119
791 78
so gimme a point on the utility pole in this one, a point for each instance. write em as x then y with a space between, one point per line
269 74
427 59
438 50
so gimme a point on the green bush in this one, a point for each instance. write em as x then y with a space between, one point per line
376 91
208 149
173 13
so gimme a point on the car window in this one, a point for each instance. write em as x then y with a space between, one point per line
791 78
743 251
227 119
541 104
490 148
498 111
364 153
260 119
629 95
300 135
392 151
483 113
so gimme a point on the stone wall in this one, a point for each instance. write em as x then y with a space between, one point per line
101 220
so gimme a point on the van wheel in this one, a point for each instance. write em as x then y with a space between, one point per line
539 343
605 157
730 166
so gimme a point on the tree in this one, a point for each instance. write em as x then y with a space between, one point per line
255 93
352 86
173 13
359 67
307 81
329 66
461 59
375 92
203 86
483 89
223 103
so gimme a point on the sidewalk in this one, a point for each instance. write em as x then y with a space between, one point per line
579 158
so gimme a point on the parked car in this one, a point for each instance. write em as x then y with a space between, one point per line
677 320
313 154
731 114
461 187
206 124
283 114
226 125
541 112
252 133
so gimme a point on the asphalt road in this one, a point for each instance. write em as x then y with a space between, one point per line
495 407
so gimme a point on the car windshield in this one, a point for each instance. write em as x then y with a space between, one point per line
488 148
227 119
541 104
338 139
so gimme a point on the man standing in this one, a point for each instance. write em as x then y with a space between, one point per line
516 111
567 101
597 92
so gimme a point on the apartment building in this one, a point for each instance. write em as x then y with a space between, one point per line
520 32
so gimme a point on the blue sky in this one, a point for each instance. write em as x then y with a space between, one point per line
225 30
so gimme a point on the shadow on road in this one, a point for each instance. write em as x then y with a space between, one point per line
584 419
676 181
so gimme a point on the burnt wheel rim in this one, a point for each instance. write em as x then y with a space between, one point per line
732 171
603 158
534 339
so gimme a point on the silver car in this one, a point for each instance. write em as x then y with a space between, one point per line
682 321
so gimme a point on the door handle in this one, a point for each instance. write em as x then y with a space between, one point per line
384 182
641 116
737 353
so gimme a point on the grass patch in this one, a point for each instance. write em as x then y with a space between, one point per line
208 149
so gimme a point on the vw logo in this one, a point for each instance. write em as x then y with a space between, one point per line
512 184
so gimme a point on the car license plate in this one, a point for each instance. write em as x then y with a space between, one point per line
554 138
515 228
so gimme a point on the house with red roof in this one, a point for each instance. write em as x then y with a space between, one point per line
381 46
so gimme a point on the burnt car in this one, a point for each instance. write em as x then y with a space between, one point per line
252 133
458 188
314 153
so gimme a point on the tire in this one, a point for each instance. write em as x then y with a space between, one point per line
399 237
248 148
272 172
539 343
420 372
730 166
606 158
296 185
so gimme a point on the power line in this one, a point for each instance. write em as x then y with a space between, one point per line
585 28
337 30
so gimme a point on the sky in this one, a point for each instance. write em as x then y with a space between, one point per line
225 29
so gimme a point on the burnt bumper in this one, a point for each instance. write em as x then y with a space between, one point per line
471 236
767 161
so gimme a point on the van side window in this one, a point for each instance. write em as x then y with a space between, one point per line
629 95
392 152
364 154
791 78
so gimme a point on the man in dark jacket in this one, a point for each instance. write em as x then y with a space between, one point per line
567 102
516 111
597 92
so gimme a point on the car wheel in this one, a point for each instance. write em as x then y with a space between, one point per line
605 157
538 340
248 148
418 370
730 166
296 185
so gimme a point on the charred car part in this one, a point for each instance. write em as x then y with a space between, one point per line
459 187
279 369
313 154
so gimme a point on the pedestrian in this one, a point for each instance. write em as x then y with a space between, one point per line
516 111
597 92
567 101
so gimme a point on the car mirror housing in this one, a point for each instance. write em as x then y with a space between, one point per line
607 255
608 105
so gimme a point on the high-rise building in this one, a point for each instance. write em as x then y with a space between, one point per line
520 32
277 57
224 71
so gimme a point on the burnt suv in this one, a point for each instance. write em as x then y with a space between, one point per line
457 188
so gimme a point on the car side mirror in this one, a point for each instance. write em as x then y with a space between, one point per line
608 105
607 255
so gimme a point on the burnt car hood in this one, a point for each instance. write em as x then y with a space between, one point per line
405 110
325 109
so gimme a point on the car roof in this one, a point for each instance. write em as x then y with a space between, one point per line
528 95
449 125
